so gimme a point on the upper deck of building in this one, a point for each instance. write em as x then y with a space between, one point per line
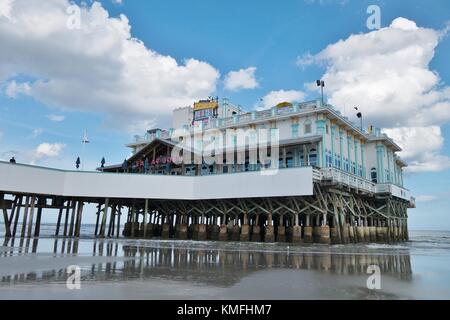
276 113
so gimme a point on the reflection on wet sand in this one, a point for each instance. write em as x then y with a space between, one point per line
212 265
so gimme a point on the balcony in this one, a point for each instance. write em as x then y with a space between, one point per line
359 183
349 180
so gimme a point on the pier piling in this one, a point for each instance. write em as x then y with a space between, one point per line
329 217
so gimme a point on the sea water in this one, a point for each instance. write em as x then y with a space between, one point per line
157 269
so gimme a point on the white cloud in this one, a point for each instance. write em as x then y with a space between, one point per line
421 147
305 60
6 8
386 74
42 154
426 198
242 79
56 118
275 97
48 150
99 68
14 89
37 132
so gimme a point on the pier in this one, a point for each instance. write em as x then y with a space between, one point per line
328 207
298 172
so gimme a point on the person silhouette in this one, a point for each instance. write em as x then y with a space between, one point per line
12 160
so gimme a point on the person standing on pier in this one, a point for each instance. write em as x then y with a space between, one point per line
146 165
125 166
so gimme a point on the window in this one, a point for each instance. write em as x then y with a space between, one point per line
289 160
373 175
280 162
302 159
234 140
295 131
190 171
328 158
205 170
313 157
308 128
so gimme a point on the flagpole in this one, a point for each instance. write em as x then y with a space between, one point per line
84 142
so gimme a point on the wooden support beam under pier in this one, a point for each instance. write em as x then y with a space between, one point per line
330 215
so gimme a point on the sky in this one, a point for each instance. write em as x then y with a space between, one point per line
116 68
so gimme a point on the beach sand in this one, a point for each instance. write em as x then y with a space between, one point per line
153 269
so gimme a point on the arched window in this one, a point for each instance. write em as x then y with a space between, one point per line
313 157
373 175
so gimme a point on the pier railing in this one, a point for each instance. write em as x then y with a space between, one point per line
360 183
317 175
349 179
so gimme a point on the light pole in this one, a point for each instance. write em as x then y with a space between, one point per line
84 142
321 84
360 117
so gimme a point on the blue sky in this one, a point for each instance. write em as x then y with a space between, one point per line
43 125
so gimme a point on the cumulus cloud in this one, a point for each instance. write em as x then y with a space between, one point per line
421 147
97 68
386 73
48 150
44 151
275 97
242 79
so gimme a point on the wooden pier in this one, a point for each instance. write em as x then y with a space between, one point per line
333 214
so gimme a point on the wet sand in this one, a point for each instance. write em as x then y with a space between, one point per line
128 269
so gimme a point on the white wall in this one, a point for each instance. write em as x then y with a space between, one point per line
35 180
182 117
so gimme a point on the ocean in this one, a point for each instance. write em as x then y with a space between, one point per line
191 270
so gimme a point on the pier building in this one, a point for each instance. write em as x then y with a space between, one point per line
297 172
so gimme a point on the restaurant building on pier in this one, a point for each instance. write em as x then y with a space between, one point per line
297 172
